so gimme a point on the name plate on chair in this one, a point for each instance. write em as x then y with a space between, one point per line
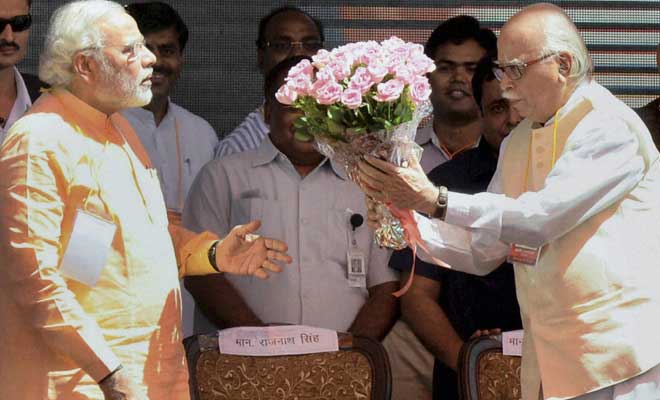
277 340
512 342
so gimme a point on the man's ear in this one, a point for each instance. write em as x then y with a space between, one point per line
565 64
85 66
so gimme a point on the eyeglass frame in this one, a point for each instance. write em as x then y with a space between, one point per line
500 70
12 22
135 48
291 44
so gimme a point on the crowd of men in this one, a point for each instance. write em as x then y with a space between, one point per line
116 204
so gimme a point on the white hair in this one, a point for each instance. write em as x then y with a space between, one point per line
561 35
74 27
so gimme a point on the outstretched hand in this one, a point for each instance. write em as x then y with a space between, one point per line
243 253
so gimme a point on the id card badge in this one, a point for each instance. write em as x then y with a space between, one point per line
357 270
88 248
524 254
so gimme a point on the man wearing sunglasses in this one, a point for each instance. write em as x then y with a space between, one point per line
17 90
285 32
574 204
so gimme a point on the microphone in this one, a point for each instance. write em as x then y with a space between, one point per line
356 221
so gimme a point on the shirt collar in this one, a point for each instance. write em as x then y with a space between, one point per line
82 109
22 102
267 153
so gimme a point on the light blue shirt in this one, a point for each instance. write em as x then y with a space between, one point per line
311 215
197 142
247 136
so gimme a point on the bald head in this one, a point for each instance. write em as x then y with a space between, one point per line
558 34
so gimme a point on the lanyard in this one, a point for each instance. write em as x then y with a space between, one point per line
555 125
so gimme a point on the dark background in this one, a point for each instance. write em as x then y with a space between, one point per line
221 82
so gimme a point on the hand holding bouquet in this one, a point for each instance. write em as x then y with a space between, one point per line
363 98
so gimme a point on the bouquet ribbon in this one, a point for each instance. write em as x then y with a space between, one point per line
414 239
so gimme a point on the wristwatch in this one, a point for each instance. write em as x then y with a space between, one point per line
212 251
441 204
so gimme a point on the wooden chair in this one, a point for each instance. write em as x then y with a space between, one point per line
484 373
359 370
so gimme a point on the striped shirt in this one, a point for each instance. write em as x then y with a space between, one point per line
247 136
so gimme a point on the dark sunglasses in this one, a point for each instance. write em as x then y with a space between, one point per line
18 23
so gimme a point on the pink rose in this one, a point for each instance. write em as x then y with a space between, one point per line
403 73
341 69
361 80
351 98
420 64
390 90
414 49
420 89
329 93
325 75
378 70
321 58
370 52
286 95
393 61
393 44
300 83
303 68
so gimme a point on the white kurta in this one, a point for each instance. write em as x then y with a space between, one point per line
589 307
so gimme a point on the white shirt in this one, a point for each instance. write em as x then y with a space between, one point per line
599 166
311 215
197 141
247 136
21 104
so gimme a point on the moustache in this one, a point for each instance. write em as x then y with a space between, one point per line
4 43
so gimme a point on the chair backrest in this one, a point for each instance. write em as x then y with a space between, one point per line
359 370
484 373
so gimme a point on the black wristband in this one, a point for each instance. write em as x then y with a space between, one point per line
105 378
212 250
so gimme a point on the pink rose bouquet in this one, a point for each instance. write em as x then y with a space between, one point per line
363 98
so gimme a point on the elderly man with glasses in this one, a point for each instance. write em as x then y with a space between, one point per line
574 204
17 90
90 302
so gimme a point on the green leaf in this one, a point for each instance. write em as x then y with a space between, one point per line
334 127
302 136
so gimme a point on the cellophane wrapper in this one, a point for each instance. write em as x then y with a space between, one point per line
396 146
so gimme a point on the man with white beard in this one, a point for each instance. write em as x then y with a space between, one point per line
89 300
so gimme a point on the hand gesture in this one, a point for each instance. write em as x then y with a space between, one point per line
243 253
403 187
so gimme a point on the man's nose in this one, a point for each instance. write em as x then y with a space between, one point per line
7 33
148 58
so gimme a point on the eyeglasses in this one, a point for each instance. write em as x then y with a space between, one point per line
131 50
18 23
515 71
286 46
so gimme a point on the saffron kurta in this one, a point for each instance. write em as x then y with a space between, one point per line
58 337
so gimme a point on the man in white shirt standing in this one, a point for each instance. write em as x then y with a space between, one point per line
17 91
574 204
179 142
308 200
284 32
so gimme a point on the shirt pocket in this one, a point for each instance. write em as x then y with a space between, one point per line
244 210
338 237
